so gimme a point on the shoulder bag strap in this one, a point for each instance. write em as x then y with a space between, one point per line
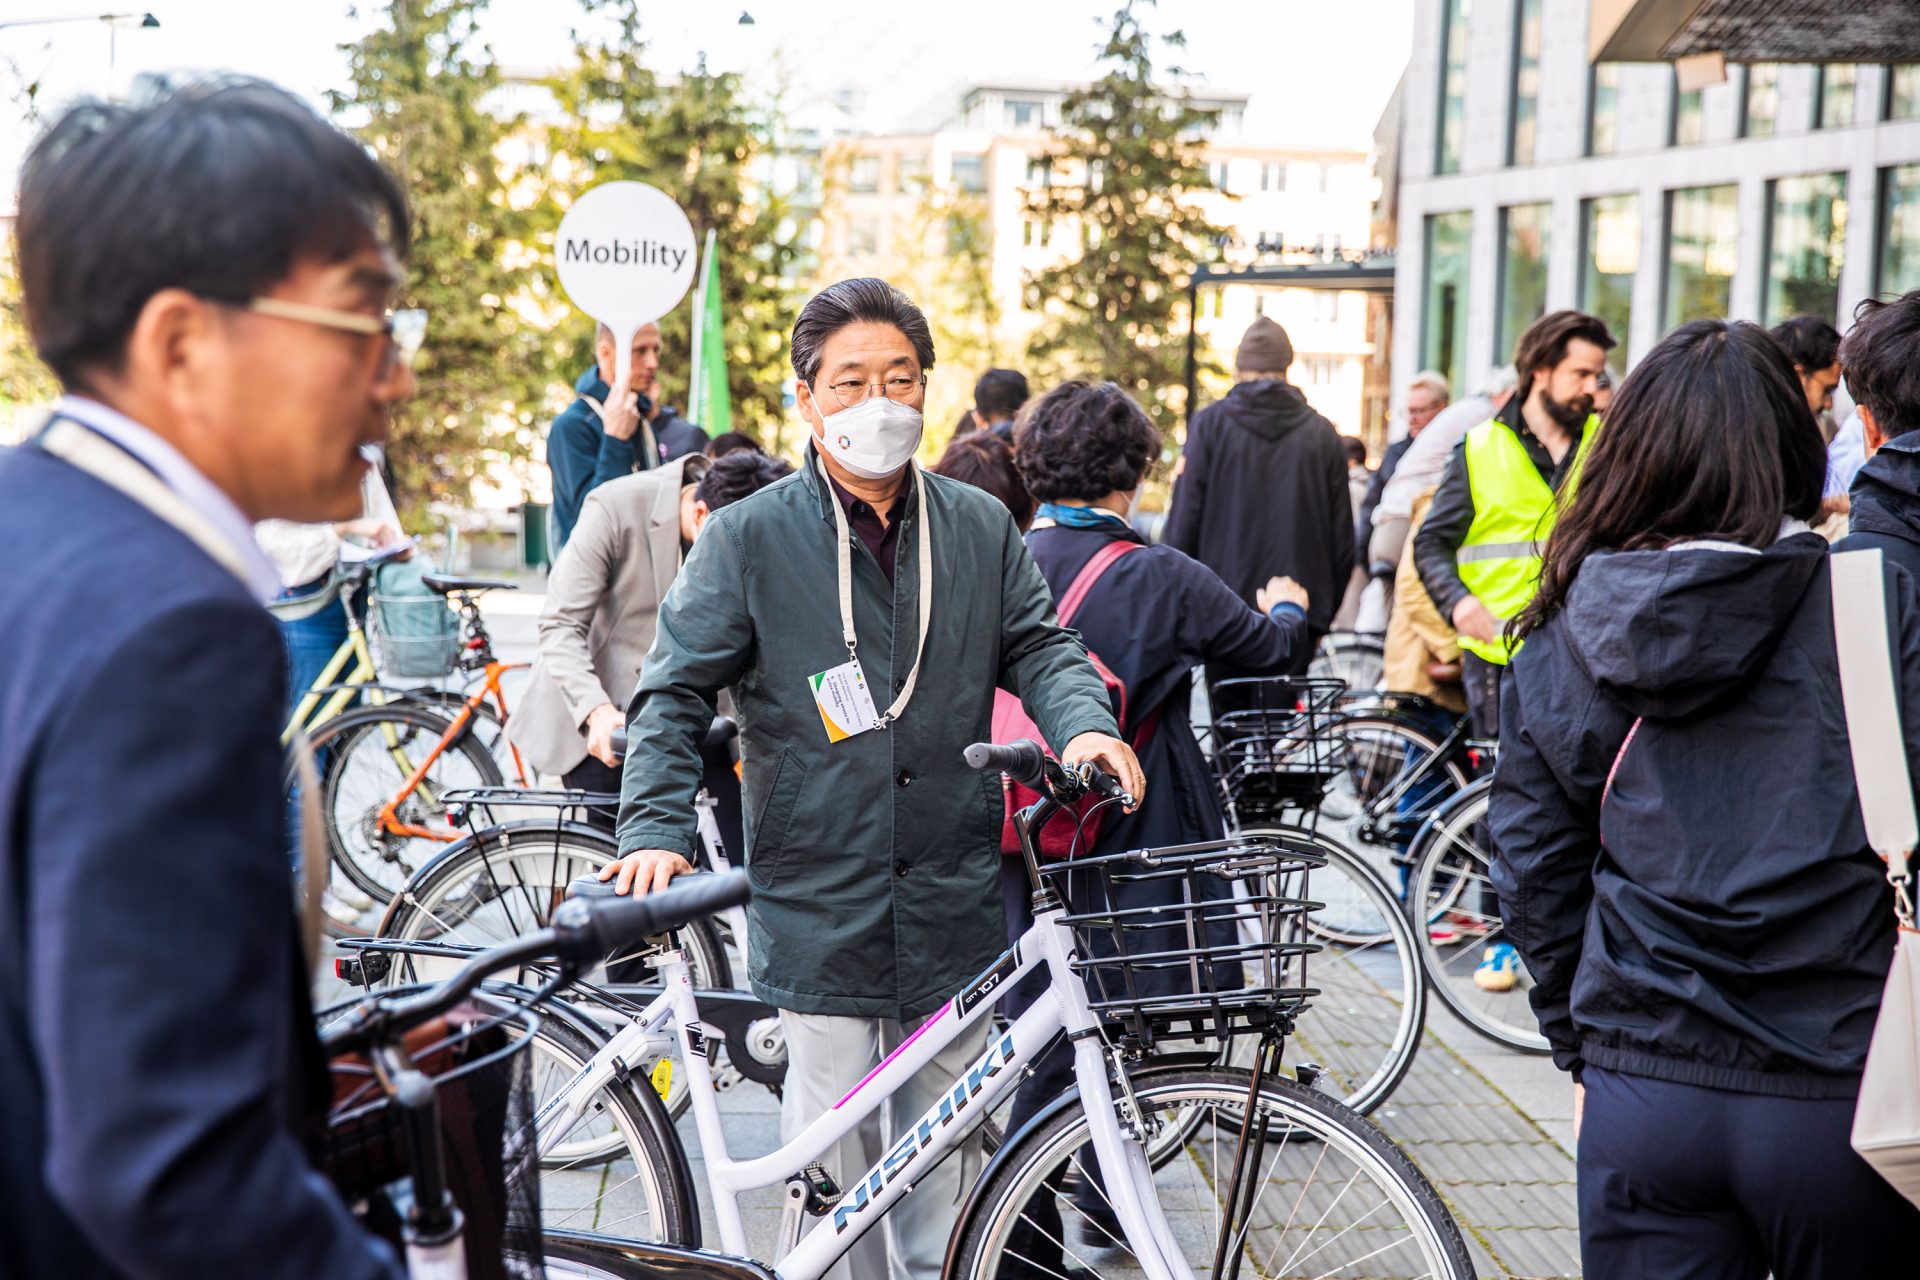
1870 696
1102 560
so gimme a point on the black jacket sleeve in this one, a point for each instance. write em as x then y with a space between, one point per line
167 1089
1558 741
1189 493
1340 536
1439 539
1215 625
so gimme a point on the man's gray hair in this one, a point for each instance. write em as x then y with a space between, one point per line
1499 382
1434 381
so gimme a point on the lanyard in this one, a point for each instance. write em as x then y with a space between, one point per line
924 586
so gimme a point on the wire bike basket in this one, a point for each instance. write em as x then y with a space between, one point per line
1194 941
476 1057
1272 753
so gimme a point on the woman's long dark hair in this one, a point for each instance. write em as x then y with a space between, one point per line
1710 436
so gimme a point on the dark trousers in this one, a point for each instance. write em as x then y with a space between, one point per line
717 776
1679 1182
1482 681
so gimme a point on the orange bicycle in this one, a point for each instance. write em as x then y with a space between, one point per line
385 768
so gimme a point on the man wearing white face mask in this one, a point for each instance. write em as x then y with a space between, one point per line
862 612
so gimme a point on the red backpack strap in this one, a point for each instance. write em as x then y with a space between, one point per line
1089 574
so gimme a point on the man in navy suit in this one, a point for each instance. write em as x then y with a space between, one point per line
208 275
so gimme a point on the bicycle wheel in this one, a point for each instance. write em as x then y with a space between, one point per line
1459 923
370 754
1364 1027
1356 657
487 725
505 881
1331 1195
618 1168
1386 782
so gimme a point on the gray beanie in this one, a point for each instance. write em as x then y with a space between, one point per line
1264 348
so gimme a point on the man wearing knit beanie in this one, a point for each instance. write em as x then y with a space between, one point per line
1262 488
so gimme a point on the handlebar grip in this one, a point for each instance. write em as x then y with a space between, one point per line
620 742
1023 761
617 922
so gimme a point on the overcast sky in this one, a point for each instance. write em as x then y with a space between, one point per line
1319 73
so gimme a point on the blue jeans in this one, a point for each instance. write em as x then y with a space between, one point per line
311 643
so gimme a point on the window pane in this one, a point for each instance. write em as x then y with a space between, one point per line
1453 86
1806 229
1900 230
1526 81
970 172
1763 100
1702 247
1444 321
1523 271
1603 110
1689 117
1903 94
1837 82
1612 256
866 175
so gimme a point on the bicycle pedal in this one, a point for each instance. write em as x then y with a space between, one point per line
820 1191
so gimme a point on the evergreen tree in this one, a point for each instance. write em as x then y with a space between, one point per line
1126 155
695 137
419 93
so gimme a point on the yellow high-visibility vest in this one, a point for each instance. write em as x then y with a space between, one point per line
1513 512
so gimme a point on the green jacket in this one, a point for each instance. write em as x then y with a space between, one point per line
875 861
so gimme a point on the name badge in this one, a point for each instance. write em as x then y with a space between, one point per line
845 702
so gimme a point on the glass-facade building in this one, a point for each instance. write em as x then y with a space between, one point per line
1786 188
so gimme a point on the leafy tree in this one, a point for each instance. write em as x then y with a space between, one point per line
419 90
943 259
24 381
1124 158
695 137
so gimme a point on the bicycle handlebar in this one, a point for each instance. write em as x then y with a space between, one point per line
584 932
1028 764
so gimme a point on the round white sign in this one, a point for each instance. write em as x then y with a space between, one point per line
625 255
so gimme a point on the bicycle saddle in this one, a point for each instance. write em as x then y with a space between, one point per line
446 584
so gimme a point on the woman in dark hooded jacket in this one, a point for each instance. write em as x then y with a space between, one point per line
1680 854
1152 616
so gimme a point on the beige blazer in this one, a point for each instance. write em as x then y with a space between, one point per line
603 598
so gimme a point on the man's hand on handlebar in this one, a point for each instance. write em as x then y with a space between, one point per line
1109 755
645 871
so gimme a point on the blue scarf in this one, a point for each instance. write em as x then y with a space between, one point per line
1079 517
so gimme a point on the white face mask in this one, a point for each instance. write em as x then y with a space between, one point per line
873 439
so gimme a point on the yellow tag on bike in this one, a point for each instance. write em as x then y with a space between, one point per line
663 1077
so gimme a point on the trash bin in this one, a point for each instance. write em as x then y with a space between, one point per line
534 553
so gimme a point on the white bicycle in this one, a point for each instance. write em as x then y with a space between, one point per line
1265 1176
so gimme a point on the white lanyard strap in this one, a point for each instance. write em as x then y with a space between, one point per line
924 586
75 444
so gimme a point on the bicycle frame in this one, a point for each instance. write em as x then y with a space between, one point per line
337 685
1048 943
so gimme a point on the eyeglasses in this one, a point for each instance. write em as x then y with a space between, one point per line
403 330
897 386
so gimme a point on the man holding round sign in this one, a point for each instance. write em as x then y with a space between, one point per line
862 612
625 256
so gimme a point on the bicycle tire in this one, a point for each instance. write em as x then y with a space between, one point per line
1364 1027
1450 867
1355 657
1311 1128
486 724
477 894
581 1193
377 863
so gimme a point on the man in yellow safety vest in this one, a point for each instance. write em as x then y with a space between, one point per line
1479 551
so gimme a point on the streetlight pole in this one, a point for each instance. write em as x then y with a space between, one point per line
112 21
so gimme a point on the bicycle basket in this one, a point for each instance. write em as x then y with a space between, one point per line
1271 751
416 634
1195 941
476 1056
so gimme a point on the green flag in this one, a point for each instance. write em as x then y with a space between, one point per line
710 403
